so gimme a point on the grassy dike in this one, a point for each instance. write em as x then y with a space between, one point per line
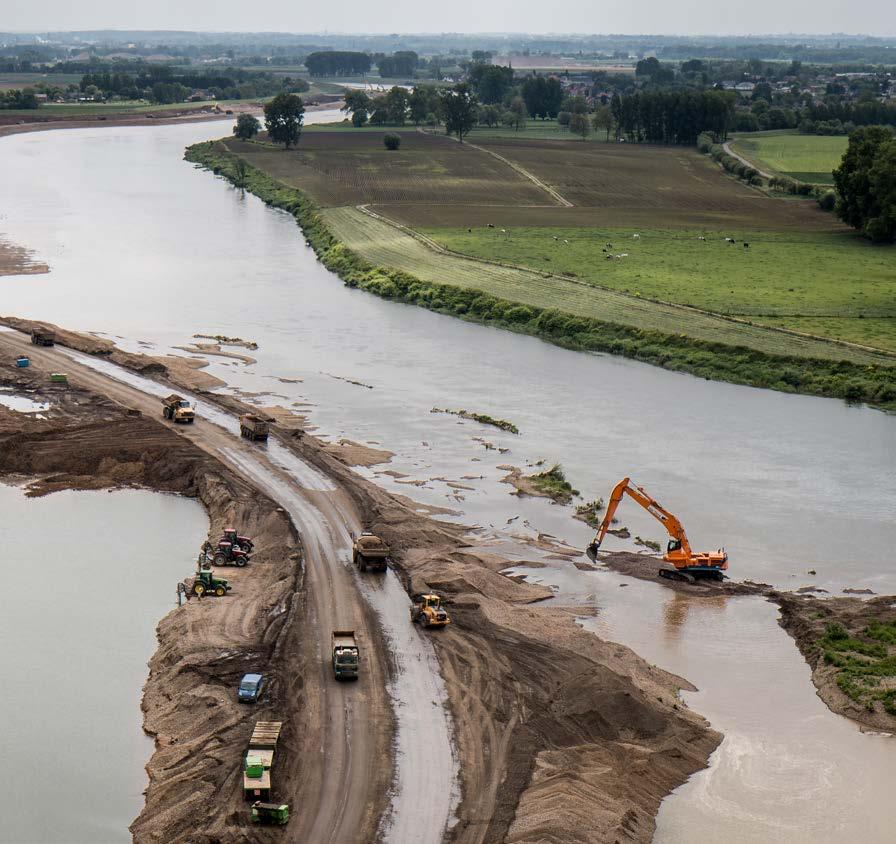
873 384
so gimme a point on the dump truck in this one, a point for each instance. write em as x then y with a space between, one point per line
41 336
254 427
427 611
273 813
259 759
345 654
370 552
178 409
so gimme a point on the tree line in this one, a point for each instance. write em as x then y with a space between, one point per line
672 117
338 63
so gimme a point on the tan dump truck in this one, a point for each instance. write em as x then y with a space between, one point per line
259 759
370 552
178 409
41 336
254 427
345 655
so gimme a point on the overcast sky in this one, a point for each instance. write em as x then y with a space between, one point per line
873 17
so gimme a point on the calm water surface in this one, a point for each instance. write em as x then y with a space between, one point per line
82 592
150 251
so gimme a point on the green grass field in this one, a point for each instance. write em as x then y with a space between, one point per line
834 285
809 158
384 245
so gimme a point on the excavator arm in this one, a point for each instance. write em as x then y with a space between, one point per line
673 527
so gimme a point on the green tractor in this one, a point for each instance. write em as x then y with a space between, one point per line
206 583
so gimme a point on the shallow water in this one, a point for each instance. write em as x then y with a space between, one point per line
82 595
786 483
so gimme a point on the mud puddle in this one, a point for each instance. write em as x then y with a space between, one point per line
84 585
21 404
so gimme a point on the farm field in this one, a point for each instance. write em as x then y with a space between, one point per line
29 80
809 158
834 285
803 271
346 168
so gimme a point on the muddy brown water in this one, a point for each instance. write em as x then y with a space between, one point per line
77 628
786 483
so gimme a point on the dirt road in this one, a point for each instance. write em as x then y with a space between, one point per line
342 785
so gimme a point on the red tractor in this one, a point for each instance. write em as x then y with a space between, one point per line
242 542
226 554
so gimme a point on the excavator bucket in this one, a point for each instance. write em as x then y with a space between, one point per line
591 552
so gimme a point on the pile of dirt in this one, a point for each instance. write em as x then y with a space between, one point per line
542 708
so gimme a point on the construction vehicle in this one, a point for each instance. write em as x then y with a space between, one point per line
178 409
259 760
273 813
427 611
253 427
346 656
242 542
370 552
225 554
41 336
688 564
206 583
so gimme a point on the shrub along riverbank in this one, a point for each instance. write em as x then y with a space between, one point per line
839 379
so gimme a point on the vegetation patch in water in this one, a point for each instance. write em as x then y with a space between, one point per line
589 513
481 418
553 483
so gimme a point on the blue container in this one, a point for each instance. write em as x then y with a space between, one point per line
22 362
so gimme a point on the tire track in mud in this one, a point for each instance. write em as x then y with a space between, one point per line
425 790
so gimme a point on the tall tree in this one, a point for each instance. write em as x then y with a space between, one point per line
397 105
603 119
459 108
579 125
246 127
866 183
283 118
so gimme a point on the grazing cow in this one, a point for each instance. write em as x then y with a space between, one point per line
700 237
746 245
490 225
470 231
636 236
556 238
730 240
566 241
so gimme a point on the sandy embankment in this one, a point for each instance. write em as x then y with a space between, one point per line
15 260
560 736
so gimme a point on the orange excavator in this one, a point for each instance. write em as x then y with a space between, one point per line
688 564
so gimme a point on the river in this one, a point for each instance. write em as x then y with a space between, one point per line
83 590
148 250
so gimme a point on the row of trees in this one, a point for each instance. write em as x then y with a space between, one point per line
456 107
338 63
672 117
18 99
169 87
403 63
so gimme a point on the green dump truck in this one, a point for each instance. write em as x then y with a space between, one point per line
345 655
273 813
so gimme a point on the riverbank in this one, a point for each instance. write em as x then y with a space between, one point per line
859 376
849 643
540 706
